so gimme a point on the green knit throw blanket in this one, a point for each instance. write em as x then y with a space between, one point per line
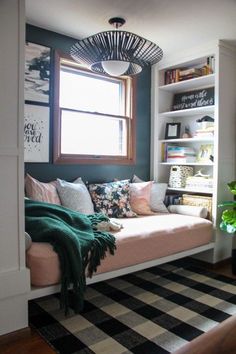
75 239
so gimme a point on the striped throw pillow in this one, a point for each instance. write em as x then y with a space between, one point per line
42 192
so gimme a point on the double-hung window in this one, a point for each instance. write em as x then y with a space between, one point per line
93 116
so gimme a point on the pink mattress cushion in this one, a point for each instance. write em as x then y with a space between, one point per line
44 264
142 239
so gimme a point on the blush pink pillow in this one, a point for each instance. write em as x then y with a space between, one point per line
42 192
140 198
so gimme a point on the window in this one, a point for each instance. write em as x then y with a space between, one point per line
93 116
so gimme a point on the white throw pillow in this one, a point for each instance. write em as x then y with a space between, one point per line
28 241
75 196
191 210
158 192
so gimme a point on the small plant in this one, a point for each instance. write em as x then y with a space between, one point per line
228 216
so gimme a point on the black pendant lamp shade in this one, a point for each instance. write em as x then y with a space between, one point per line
116 52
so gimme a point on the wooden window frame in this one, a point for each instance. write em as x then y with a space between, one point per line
129 115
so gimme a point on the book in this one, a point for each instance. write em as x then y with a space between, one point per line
180 159
180 154
171 76
187 77
190 71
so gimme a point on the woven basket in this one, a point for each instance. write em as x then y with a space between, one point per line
198 200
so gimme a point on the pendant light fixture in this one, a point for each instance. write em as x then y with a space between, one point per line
116 52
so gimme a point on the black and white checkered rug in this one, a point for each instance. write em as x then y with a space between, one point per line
157 310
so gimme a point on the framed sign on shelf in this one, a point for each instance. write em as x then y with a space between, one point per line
36 133
37 72
194 99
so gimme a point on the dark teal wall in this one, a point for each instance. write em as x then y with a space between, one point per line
95 173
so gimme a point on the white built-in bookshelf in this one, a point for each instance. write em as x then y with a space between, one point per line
222 169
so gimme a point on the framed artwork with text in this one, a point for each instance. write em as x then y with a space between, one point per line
36 133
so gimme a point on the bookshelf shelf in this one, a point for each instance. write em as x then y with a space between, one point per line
191 190
188 112
203 81
188 140
187 164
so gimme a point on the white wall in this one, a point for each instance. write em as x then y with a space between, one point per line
14 278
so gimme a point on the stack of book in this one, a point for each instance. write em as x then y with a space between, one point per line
190 73
171 76
181 74
180 154
204 133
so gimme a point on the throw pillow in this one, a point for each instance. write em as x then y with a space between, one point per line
75 196
112 199
42 192
140 197
28 241
158 192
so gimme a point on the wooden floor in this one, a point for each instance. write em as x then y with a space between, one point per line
27 341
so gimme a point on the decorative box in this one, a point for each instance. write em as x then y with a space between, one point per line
178 176
198 200
199 183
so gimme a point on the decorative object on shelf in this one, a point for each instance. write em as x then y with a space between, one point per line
194 99
172 130
198 200
205 153
199 181
36 133
205 127
116 52
209 67
200 174
205 119
37 72
178 176
186 133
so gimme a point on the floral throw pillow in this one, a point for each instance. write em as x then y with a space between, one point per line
112 199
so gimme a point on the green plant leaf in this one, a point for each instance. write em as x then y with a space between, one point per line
227 227
233 204
232 187
229 217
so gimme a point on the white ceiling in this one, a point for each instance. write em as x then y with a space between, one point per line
172 24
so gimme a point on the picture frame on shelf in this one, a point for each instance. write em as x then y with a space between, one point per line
205 153
172 130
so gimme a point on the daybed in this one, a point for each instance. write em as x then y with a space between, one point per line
144 241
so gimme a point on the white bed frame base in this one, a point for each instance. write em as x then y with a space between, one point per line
37 292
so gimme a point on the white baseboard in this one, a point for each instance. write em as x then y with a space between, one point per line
14 291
